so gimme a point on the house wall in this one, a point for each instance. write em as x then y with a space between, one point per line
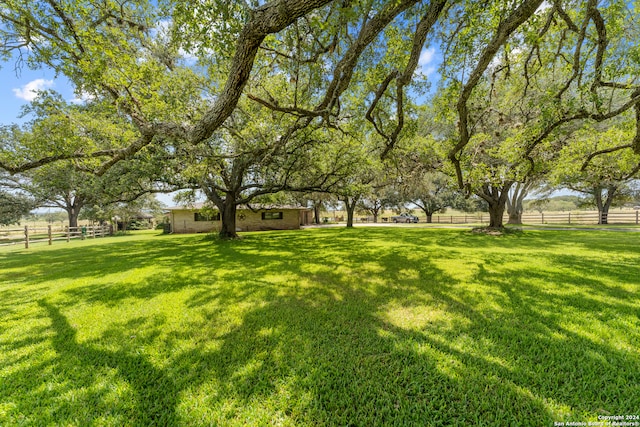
253 220
182 221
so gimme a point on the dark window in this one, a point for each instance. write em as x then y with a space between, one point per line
214 216
272 215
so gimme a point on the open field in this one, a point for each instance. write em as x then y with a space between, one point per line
365 326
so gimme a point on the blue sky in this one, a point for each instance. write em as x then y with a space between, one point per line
19 88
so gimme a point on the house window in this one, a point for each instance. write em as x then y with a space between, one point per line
213 216
272 215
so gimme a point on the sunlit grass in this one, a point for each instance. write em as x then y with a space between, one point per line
370 326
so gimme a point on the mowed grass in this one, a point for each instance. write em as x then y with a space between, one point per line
369 326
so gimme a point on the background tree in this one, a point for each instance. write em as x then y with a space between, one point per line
62 186
546 89
363 168
318 202
382 194
128 213
13 207
600 162
432 192
515 202
418 161
14 204
375 203
68 184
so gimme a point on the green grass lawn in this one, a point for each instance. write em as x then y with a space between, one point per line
369 326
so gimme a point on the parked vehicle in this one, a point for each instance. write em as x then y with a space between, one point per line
404 217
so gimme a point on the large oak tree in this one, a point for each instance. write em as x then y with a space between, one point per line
178 71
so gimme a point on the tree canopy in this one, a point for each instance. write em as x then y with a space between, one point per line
517 75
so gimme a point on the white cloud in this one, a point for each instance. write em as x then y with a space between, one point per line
425 65
429 70
29 92
81 98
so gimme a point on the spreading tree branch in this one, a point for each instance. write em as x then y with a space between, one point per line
503 32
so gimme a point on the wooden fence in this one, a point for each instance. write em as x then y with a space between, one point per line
565 218
590 217
30 235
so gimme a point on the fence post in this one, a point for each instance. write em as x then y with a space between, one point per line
26 237
542 213
636 217
93 231
569 218
451 219
49 233
68 231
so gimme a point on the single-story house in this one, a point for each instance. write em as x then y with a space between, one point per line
191 219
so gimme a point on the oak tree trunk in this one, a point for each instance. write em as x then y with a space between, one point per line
428 213
515 201
515 217
350 205
72 214
604 203
496 198
228 217
316 213
496 213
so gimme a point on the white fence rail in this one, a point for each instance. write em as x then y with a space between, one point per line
29 235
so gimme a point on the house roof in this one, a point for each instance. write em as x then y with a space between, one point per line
253 207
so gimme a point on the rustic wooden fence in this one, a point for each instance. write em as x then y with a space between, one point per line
565 218
31 235
568 218
623 217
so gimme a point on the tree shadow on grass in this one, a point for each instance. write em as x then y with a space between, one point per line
88 258
358 333
314 354
347 365
153 391
573 338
